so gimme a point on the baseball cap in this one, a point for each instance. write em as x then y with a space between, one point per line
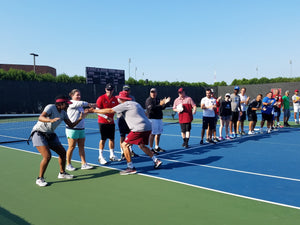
180 90
296 90
124 95
109 86
153 90
212 90
227 94
126 87
236 88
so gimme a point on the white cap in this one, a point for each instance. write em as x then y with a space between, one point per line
227 94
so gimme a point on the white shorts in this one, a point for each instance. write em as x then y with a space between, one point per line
296 108
157 126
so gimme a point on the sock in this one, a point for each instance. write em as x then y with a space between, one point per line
184 140
112 154
156 146
100 153
154 158
187 140
130 165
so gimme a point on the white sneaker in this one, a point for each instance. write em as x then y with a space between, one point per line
64 175
86 166
114 158
70 167
102 161
41 182
261 131
269 131
250 132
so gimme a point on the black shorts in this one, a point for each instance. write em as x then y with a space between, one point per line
185 127
235 116
123 127
107 131
267 117
277 112
209 121
243 116
252 116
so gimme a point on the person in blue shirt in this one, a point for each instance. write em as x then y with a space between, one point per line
267 111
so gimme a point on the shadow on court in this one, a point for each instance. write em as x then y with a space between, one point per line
7 217
94 174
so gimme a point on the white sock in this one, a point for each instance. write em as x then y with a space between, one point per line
112 154
156 146
100 153
154 158
130 165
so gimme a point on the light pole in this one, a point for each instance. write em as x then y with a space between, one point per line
135 73
34 55
129 61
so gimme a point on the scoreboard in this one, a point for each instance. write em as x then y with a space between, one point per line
96 75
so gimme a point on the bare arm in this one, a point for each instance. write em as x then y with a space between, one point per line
44 118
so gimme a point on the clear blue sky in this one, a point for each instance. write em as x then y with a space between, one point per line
166 40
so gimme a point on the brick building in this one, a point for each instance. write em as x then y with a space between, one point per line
28 68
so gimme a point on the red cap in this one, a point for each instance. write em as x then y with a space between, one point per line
63 100
180 90
296 90
124 95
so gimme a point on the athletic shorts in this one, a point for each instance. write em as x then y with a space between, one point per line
157 126
235 116
209 121
185 127
267 117
40 139
287 112
123 127
243 116
252 116
136 138
75 134
225 118
296 109
107 131
277 112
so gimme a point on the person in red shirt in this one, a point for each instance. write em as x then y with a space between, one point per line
185 107
106 123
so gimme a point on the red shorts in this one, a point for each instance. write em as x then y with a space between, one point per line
136 138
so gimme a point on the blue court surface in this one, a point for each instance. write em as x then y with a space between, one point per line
264 167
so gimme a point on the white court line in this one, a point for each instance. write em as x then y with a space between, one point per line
179 182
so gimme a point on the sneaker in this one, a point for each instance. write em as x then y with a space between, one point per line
243 133
86 166
186 146
232 136
211 141
41 182
102 161
160 149
183 144
157 163
201 142
133 154
228 137
123 156
70 167
221 138
261 131
297 122
114 158
154 152
216 139
268 131
128 171
64 175
207 140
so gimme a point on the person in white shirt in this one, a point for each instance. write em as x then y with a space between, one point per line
208 104
296 106
76 135
242 116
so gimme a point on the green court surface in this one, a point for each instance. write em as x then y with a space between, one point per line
102 196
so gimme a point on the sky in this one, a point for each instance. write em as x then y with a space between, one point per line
166 40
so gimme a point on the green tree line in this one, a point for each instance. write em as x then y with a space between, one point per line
14 74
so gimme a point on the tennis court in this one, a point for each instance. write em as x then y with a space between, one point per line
248 180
